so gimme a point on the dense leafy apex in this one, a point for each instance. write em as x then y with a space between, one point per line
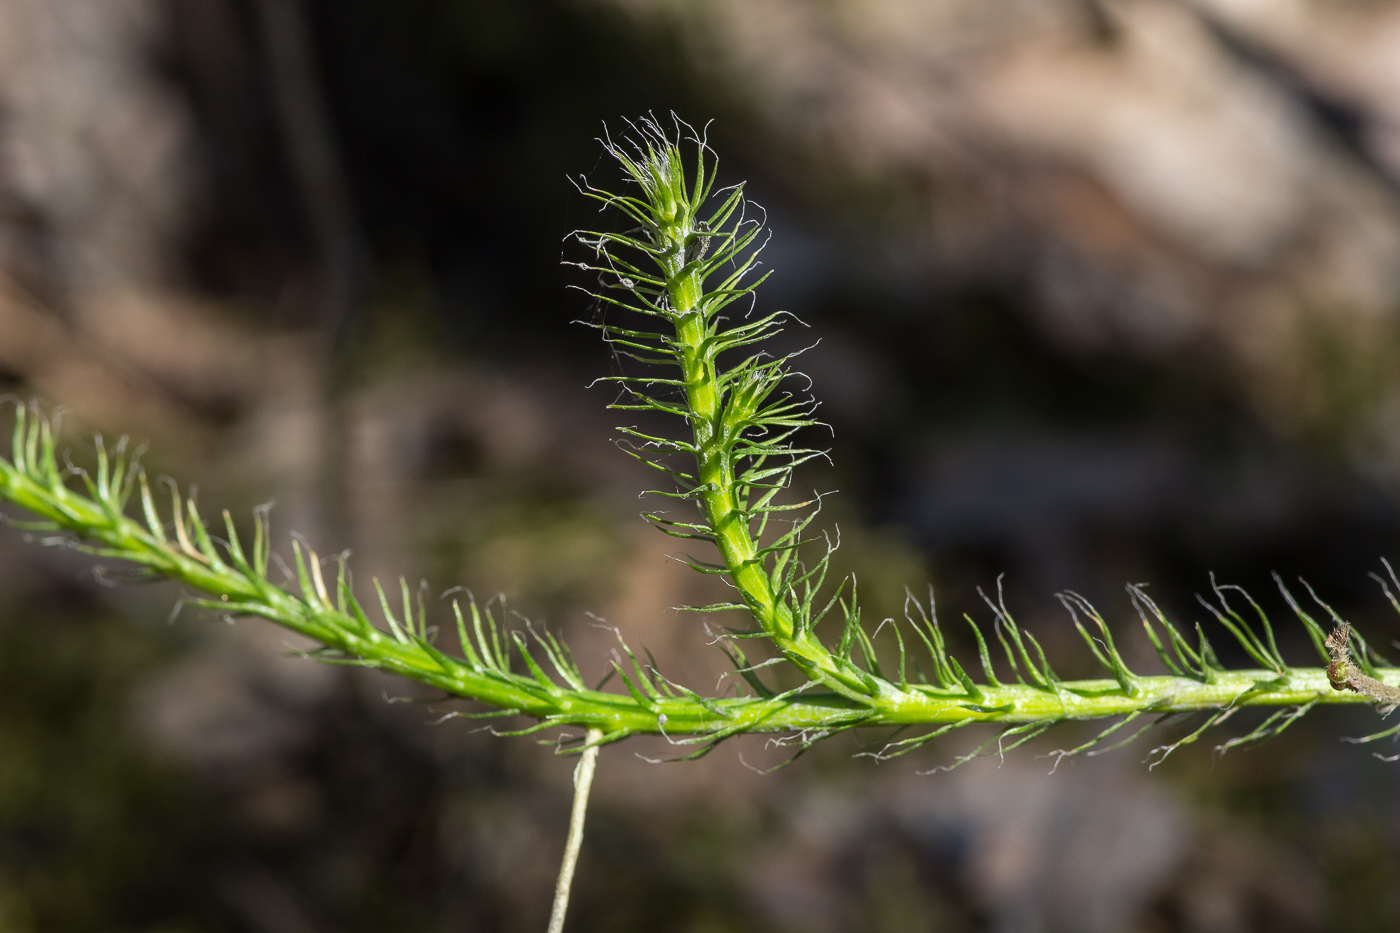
675 298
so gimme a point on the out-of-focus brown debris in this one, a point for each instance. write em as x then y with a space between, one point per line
1215 177
1216 180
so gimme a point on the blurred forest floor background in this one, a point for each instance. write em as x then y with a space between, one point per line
1105 291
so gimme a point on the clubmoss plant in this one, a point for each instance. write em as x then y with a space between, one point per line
674 294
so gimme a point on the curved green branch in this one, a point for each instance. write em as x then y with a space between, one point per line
681 269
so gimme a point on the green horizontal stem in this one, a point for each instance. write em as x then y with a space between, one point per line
741 423
622 714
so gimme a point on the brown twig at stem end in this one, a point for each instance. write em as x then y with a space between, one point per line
1343 676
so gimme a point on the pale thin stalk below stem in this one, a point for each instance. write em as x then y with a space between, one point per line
583 783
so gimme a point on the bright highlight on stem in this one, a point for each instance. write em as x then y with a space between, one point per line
675 294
